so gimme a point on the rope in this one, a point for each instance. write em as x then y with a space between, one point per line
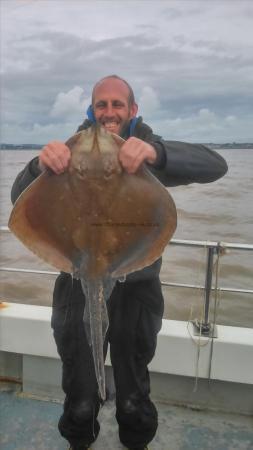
220 252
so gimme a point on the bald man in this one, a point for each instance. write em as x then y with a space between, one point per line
136 306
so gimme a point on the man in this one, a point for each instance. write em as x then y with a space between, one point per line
136 306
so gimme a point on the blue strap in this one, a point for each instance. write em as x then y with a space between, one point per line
133 122
90 114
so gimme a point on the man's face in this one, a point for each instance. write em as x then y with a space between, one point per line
111 106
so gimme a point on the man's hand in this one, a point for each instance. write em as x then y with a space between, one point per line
56 156
134 152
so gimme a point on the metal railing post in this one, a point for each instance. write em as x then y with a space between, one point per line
208 286
205 328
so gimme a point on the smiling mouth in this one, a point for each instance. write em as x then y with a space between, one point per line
111 124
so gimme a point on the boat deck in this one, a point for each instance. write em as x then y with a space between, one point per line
31 424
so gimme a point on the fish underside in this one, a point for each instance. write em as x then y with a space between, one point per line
96 222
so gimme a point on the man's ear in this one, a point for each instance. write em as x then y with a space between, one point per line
133 110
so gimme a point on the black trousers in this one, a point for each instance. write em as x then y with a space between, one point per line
135 314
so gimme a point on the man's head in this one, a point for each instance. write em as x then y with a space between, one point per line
113 103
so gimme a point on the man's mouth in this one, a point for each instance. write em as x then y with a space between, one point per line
110 124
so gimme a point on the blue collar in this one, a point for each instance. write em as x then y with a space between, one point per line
133 122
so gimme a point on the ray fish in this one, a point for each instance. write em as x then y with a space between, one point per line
97 222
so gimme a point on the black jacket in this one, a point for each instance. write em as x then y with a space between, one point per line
177 163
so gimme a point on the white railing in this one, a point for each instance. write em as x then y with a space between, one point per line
213 248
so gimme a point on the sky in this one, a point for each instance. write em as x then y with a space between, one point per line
190 64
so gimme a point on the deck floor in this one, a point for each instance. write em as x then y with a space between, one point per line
29 424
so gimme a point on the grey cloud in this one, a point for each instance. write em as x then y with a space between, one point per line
185 9
187 74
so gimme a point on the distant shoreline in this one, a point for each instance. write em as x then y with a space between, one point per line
229 145
20 147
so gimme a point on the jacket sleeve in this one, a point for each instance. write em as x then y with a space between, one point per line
24 178
180 163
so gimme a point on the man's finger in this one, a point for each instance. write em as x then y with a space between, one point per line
49 162
136 163
55 156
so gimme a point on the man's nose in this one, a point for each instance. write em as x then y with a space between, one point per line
109 110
